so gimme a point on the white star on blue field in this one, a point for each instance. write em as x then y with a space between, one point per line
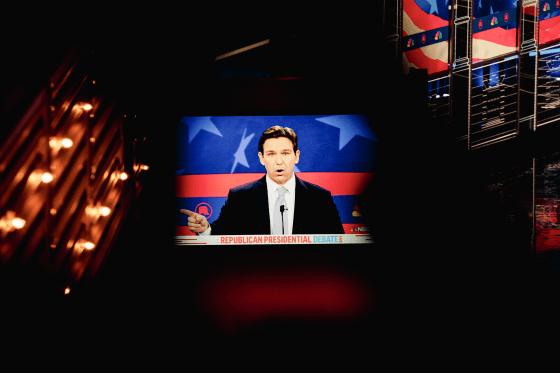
433 6
197 124
240 153
240 157
429 6
229 144
350 126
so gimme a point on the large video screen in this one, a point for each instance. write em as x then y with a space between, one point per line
426 35
494 28
215 154
549 25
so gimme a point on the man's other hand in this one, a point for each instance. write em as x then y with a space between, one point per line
197 222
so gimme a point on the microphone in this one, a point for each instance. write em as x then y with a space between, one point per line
282 214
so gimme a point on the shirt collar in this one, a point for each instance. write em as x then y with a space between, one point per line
290 185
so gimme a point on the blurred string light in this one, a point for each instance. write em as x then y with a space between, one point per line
104 211
116 176
57 143
47 177
141 167
97 211
82 106
82 244
38 176
10 222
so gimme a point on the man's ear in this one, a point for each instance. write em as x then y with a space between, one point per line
297 156
261 158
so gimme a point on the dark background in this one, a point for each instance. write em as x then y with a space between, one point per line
447 274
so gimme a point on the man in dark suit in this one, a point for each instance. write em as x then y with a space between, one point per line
279 202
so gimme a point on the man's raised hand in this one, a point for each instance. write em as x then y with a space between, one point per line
197 222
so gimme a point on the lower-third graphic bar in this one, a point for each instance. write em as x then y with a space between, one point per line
332 239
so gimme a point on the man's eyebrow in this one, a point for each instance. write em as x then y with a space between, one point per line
274 151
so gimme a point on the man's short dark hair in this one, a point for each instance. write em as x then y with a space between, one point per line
275 132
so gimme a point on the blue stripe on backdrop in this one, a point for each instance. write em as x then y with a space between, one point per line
438 8
225 145
482 8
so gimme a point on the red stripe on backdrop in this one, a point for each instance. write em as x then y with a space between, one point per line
210 185
420 60
549 30
506 38
338 183
528 10
421 19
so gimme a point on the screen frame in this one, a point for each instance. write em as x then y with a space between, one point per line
278 97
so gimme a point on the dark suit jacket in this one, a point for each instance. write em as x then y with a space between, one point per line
246 211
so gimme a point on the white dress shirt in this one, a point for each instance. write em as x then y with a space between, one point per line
272 190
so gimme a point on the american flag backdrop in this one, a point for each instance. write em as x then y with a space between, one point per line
215 154
426 35
494 28
549 25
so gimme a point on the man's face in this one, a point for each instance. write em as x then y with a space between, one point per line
279 159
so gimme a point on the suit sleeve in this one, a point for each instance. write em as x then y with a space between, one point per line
225 224
333 223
